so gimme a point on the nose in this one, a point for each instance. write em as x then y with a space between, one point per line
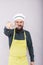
19 23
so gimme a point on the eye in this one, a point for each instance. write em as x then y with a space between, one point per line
21 21
16 21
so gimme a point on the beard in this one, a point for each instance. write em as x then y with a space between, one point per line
19 27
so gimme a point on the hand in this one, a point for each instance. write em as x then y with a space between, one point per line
31 63
9 25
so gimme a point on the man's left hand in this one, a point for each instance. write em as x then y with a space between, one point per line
31 63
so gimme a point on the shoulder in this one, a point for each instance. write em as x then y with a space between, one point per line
27 32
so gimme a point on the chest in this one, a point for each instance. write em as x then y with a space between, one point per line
19 36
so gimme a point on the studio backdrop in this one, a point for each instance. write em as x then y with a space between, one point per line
32 9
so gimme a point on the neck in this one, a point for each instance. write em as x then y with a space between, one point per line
19 30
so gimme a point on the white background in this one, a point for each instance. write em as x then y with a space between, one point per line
32 9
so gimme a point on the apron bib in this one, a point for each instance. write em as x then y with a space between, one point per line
18 50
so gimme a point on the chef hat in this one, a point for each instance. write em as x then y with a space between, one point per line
19 16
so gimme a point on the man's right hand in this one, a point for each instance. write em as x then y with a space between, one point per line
8 25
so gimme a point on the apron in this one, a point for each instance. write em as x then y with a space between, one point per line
18 50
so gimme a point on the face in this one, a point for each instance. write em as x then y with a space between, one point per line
19 23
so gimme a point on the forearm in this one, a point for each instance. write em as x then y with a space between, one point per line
31 53
6 31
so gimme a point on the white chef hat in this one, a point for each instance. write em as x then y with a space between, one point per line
19 16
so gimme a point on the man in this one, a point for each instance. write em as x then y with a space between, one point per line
19 41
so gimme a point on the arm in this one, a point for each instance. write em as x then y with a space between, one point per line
30 48
7 29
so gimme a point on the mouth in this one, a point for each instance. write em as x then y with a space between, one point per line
19 27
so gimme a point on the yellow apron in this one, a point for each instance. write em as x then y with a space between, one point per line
18 52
